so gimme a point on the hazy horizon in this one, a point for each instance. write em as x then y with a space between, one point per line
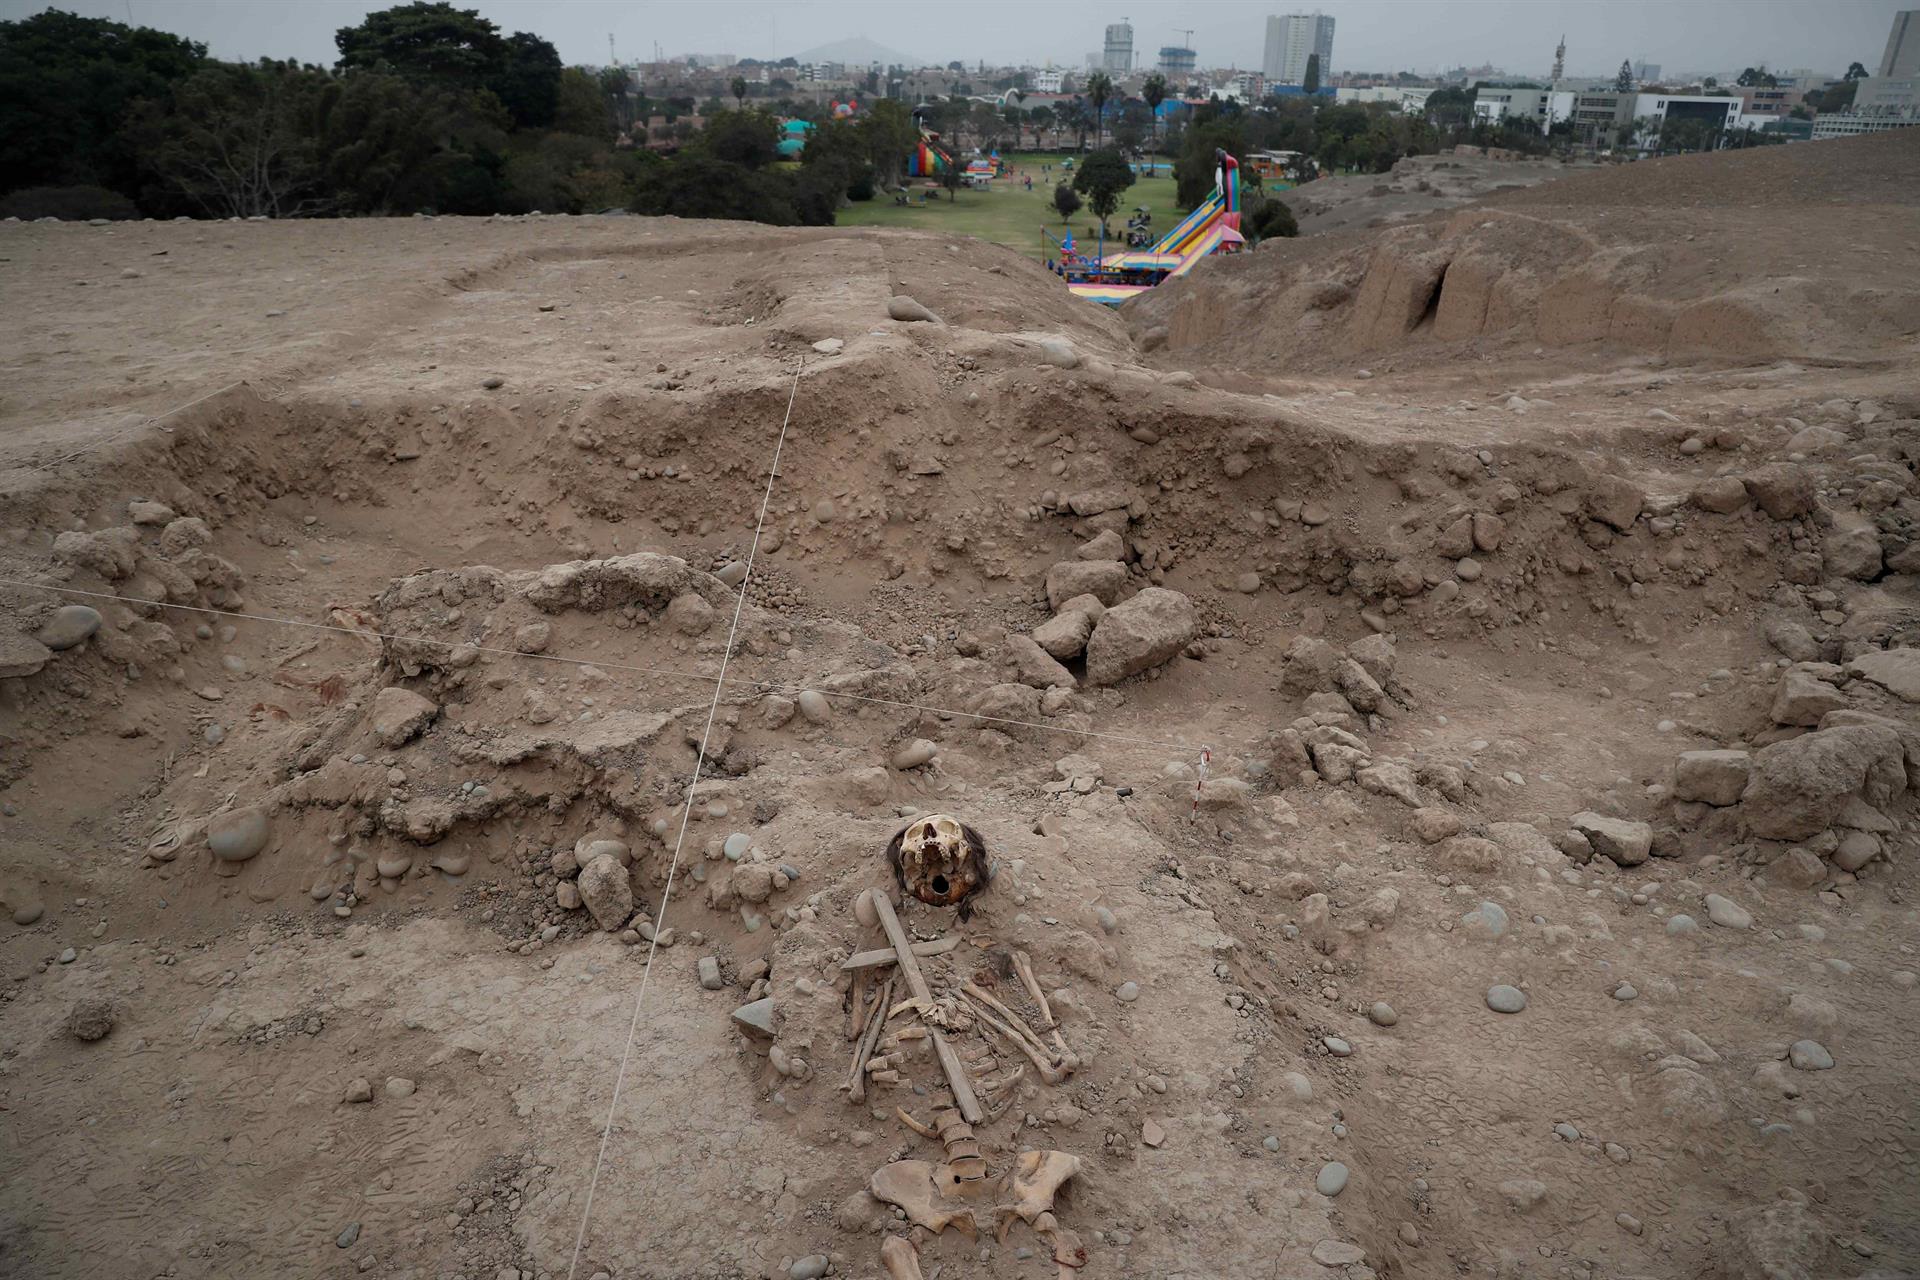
1517 36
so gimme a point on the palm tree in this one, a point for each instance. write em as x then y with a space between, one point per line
1155 93
1099 91
1074 115
739 87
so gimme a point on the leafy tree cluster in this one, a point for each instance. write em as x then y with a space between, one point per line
430 108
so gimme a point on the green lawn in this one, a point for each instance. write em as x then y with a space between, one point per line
1011 215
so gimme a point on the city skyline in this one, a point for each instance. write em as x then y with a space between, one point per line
1374 35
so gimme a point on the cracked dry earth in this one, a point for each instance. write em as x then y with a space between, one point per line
324 943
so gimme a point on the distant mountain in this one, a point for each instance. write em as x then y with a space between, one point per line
858 52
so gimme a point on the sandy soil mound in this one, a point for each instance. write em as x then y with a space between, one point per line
1643 257
1439 823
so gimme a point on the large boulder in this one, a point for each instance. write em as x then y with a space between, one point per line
1104 580
1065 634
1626 843
901 307
1144 632
606 892
1711 777
1010 708
1035 666
1722 495
1798 787
1802 698
1853 551
21 655
1310 666
1376 654
1615 502
1895 670
399 715
1783 491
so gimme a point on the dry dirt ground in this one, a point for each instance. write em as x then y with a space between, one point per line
1456 612
1416 187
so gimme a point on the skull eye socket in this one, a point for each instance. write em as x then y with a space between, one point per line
940 885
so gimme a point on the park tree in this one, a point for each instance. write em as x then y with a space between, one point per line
1066 201
1099 93
1757 78
230 142
1075 115
1101 178
1449 108
1623 82
750 139
426 41
1839 97
1154 92
1267 217
66 84
1310 82
738 85
1211 129
888 130
528 83
1040 119
1855 72
584 108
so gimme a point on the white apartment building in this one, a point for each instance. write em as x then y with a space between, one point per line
1515 106
1291 39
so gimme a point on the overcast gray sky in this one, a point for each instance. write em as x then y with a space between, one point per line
1423 35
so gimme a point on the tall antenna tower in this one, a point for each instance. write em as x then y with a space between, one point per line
613 59
1560 60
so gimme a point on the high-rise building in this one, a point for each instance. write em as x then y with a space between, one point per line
1177 61
1646 72
1902 57
1119 55
1291 39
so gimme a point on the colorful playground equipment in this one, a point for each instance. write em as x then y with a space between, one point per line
793 138
1212 227
988 166
927 160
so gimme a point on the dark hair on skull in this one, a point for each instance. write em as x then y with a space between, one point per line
941 861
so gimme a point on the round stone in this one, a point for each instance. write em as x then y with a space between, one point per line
90 1020
1682 924
1810 1055
1128 992
736 846
1625 991
238 834
814 706
1502 998
1332 1180
1382 1014
1337 1047
70 625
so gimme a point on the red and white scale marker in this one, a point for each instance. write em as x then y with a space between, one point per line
1200 780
